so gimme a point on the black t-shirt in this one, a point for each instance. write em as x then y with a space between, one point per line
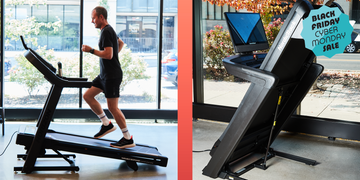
109 69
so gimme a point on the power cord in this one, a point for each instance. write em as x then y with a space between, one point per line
201 151
8 143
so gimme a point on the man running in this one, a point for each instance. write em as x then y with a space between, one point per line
109 79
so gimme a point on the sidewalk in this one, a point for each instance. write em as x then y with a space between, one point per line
337 102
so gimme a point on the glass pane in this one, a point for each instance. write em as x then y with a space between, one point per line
134 30
211 13
10 11
150 26
23 11
40 13
219 87
232 9
335 93
123 6
204 10
169 65
170 6
71 29
140 5
55 36
225 9
218 12
48 33
121 26
153 5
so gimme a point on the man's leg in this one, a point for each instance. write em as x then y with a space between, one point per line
118 115
89 97
126 141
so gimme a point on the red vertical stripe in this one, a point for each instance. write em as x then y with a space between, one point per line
185 89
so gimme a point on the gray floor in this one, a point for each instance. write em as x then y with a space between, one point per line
339 160
164 137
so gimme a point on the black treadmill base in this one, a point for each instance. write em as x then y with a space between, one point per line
23 156
228 174
133 165
49 168
307 161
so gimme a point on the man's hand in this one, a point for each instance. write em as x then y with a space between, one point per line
86 48
107 53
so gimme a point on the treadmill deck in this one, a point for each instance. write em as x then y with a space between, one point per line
91 146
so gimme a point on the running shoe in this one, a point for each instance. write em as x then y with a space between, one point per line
105 130
124 143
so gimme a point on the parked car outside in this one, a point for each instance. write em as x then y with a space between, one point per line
7 66
355 43
169 66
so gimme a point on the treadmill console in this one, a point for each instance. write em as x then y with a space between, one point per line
251 60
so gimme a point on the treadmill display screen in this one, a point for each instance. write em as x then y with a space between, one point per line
247 31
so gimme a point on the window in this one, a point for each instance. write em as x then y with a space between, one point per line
58 39
71 30
151 6
332 96
140 5
170 6
123 6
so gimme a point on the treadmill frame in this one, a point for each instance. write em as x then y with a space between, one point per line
245 143
39 142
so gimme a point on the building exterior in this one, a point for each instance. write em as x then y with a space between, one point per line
135 21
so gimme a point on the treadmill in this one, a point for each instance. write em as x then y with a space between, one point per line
277 88
44 138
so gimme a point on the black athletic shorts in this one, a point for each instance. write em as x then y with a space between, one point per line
110 87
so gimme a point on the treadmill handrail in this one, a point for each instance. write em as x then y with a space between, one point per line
300 10
23 42
50 75
254 75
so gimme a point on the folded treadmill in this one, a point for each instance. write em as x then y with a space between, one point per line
277 88
37 143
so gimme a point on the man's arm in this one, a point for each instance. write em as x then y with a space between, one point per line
121 44
107 53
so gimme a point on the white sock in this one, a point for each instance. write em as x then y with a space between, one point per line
126 133
104 119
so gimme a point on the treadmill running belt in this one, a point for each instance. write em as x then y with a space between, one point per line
103 143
